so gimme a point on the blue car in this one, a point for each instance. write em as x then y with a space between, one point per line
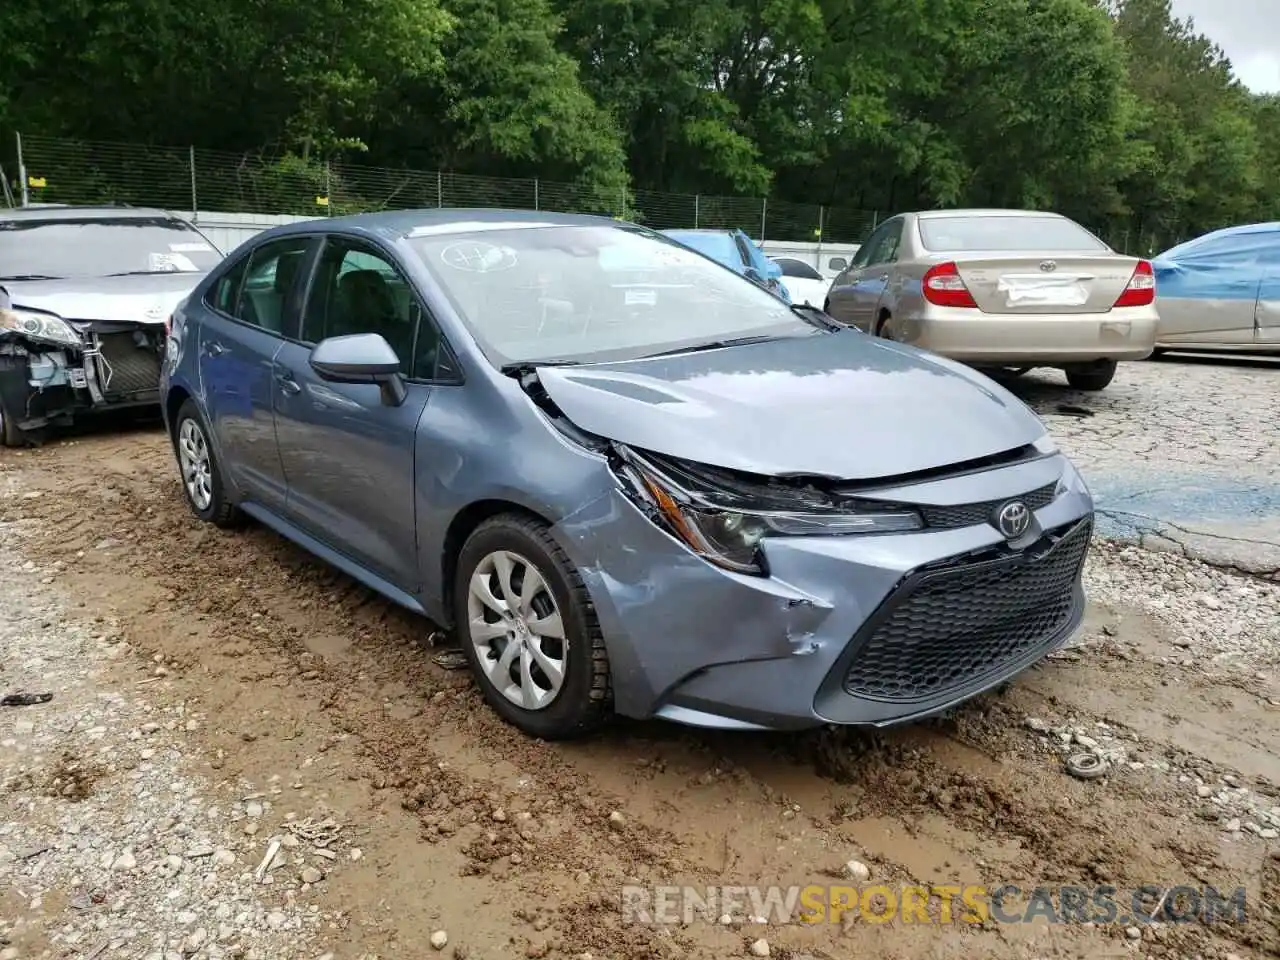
1221 291
628 480
735 250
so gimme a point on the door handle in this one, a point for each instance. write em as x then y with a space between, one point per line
214 349
288 384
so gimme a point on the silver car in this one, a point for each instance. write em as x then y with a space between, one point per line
1012 289
1221 291
629 479
85 294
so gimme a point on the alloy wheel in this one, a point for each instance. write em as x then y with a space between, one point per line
193 457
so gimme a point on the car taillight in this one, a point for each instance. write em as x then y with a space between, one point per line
944 288
1141 291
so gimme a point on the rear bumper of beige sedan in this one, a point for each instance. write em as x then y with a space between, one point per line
970 336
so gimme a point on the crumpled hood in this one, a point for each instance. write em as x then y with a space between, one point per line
841 405
148 298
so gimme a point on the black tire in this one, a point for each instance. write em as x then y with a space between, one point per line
220 511
11 435
1096 376
585 700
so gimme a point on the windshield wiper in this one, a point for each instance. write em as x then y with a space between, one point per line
518 367
146 273
712 345
818 317
31 276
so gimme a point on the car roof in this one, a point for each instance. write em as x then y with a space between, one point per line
87 212
1242 230
985 212
702 230
442 221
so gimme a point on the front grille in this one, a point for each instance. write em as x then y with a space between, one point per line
957 623
973 514
127 367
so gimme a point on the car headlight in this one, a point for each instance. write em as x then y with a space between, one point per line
39 326
724 527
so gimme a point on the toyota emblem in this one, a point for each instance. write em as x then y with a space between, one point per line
1048 266
1013 519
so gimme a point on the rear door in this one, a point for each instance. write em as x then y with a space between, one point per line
1209 292
855 294
242 331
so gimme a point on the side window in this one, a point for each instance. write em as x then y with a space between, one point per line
868 249
269 294
226 291
744 253
885 247
359 290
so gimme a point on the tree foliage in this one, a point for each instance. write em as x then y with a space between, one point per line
1112 111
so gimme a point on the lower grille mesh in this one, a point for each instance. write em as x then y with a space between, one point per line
128 367
956 624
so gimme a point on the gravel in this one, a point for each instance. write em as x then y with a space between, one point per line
101 811
1214 617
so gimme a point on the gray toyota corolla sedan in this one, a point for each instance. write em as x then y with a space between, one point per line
631 480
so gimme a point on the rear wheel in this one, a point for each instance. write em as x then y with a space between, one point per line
1095 376
529 630
201 477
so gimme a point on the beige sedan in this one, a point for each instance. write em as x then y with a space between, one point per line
1007 289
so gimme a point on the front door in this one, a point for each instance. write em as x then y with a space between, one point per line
855 294
239 339
348 456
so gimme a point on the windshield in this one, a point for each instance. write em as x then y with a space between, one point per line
797 268
718 246
580 293
101 246
1020 234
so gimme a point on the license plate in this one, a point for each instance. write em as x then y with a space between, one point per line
1043 291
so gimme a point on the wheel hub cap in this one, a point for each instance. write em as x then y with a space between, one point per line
516 629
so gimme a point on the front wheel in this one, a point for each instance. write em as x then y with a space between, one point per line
201 479
13 380
529 630
1095 376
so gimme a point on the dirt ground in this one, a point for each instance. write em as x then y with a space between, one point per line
314 684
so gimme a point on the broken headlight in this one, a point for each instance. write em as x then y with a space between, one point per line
725 523
39 326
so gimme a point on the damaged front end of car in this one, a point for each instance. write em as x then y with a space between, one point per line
53 368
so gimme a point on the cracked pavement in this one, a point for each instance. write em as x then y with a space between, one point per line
1182 455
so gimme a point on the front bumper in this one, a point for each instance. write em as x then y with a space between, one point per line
1127 333
849 630
116 367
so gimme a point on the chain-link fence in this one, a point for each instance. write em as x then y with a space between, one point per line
50 170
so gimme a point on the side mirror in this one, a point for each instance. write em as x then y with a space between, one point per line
752 274
838 263
360 358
